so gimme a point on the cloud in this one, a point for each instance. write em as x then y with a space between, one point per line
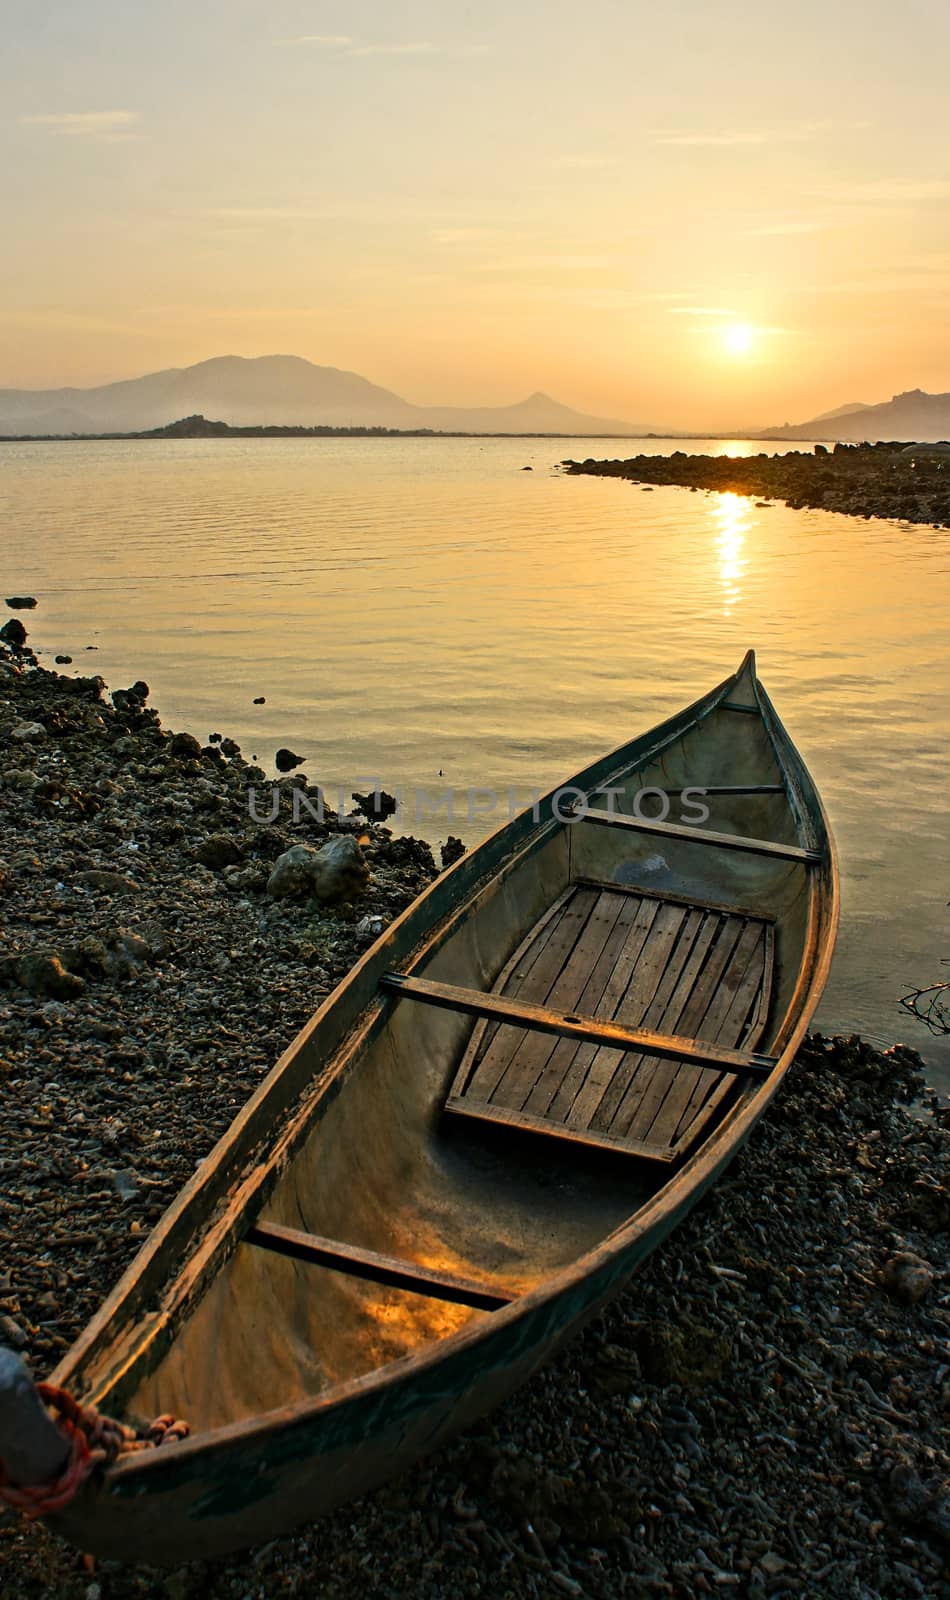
772 230
701 311
423 47
265 214
344 46
796 133
465 235
84 124
887 191
329 41
583 163
723 139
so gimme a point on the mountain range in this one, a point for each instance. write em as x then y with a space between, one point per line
913 415
289 391
275 389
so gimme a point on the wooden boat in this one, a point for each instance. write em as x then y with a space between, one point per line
512 1098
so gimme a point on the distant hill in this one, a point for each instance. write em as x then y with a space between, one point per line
913 416
284 390
843 411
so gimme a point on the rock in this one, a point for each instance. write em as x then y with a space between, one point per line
251 879
139 689
110 882
64 661
125 953
158 941
340 871
124 1183
185 747
377 806
371 927
527 469
453 850
14 634
687 1353
43 973
335 873
12 1334
909 1496
260 700
19 778
285 760
230 749
219 850
291 873
22 602
28 733
907 1277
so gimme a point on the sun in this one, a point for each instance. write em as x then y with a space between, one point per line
738 338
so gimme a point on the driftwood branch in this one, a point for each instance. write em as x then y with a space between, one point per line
930 1006
32 1448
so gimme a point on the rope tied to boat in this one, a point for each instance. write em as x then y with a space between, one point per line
95 1441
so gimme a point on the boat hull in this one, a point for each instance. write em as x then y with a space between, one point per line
203 1503
306 1450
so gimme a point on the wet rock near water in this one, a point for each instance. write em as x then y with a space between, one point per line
14 634
453 850
865 480
286 761
761 1413
21 602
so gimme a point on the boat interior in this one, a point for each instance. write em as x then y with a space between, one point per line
531 1073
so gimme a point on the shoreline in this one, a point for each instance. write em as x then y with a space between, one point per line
758 1413
878 480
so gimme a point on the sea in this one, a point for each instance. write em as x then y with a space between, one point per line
429 616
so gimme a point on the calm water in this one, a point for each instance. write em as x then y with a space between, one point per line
417 607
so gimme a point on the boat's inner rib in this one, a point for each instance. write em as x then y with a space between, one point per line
376 1268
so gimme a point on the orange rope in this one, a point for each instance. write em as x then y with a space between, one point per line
95 1441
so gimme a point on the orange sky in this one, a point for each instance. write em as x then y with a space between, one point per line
468 205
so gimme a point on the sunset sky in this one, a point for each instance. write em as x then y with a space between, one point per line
685 214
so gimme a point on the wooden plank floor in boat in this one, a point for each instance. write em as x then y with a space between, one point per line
642 961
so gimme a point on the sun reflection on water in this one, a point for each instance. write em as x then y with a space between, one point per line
732 519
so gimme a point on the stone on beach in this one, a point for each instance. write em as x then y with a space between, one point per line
43 973
219 850
109 882
28 733
332 874
185 747
908 1277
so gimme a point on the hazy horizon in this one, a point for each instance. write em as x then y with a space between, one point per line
700 219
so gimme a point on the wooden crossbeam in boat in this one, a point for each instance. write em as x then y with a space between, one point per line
523 1122
585 1030
727 788
376 1268
722 841
735 705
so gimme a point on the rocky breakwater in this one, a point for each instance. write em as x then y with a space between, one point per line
905 483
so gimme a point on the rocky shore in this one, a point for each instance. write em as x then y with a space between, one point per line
863 480
761 1414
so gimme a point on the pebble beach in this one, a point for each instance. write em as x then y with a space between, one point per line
761 1413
